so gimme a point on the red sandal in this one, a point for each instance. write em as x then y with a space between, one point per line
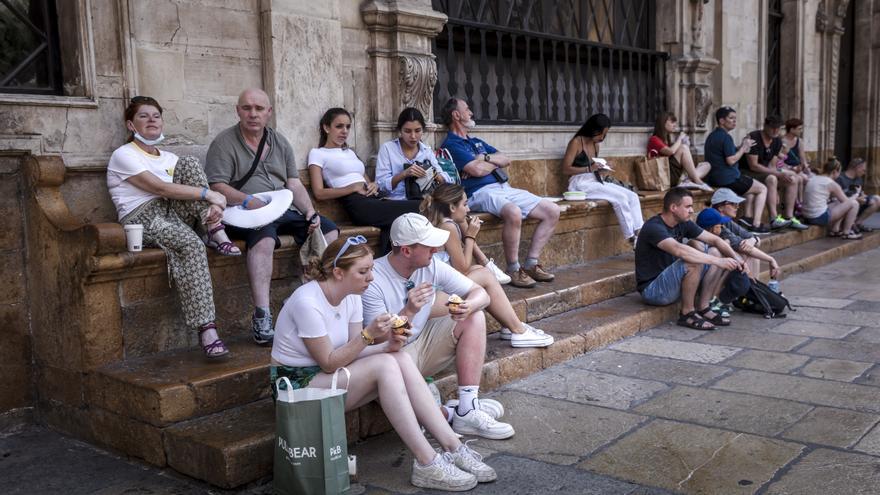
225 248
215 349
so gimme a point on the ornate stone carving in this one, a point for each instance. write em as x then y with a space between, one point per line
821 18
702 104
418 75
697 25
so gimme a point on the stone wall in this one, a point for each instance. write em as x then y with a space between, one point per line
16 387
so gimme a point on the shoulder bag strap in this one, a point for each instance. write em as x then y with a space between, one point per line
241 182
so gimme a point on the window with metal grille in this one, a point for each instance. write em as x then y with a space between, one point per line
29 52
774 35
550 61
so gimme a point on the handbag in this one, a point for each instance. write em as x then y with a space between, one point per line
652 174
419 187
315 245
447 164
311 448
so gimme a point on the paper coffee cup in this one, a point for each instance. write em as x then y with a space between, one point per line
134 236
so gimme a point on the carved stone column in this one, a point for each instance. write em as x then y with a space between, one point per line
403 67
830 18
690 67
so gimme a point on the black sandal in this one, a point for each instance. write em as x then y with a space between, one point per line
694 321
717 320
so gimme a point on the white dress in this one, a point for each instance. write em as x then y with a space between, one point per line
625 203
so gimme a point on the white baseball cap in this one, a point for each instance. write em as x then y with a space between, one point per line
412 228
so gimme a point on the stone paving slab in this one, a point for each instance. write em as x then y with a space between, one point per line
866 334
821 302
694 459
796 388
588 387
869 306
835 369
687 351
774 362
871 442
833 427
753 340
672 331
836 316
556 431
830 472
659 369
859 351
867 295
731 411
870 377
813 329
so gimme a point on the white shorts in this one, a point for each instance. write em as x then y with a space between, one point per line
494 197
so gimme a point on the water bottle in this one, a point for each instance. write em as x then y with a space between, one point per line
774 285
435 392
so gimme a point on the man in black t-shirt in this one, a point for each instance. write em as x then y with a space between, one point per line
760 164
667 269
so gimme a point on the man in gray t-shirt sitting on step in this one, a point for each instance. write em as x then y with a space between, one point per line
230 158
445 309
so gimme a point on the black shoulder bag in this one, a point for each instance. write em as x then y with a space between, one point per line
241 182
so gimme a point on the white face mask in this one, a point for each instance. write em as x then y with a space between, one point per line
149 142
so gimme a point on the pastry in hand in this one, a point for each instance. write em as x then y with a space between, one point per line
400 325
454 302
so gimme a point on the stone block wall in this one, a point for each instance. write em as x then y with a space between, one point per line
15 339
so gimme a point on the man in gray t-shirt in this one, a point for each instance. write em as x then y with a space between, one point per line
229 159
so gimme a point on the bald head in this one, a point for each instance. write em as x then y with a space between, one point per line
253 111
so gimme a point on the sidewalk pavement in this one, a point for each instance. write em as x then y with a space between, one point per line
782 406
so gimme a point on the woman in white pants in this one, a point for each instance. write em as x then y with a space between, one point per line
586 175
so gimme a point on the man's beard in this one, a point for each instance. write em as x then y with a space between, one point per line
470 124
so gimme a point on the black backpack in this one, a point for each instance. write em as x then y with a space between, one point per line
761 300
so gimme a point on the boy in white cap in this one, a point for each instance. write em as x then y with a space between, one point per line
410 282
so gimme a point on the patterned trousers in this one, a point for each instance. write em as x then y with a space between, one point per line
168 224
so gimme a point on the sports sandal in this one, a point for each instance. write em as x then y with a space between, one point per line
215 349
717 320
225 248
694 321
834 233
851 236
865 228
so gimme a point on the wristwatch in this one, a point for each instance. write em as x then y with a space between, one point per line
367 339
487 157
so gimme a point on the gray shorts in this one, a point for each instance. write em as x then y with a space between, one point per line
494 197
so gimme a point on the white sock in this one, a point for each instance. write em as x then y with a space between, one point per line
467 397
433 461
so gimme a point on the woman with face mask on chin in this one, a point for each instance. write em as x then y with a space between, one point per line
170 197
336 172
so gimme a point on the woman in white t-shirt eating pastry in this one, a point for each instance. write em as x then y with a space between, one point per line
320 329
336 172
170 197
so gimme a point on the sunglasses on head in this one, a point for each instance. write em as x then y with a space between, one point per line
351 241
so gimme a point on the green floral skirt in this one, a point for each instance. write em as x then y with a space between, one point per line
299 377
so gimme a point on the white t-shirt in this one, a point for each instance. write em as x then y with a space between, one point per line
388 290
129 160
340 167
816 195
307 313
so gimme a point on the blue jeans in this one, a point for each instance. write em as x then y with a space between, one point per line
666 288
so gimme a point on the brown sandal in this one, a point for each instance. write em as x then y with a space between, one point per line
225 248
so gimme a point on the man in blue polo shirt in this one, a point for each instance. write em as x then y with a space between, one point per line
724 157
485 182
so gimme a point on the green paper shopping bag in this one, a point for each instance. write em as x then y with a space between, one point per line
311 450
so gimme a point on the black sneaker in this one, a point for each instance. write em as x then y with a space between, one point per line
745 222
262 329
759 229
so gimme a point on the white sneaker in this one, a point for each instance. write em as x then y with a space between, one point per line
502 277
532 337
489 406
442 474
478 423
471 461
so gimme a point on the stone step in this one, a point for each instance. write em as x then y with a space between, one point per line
208 448
165 388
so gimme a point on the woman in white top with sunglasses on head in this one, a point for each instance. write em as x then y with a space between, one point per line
320 329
